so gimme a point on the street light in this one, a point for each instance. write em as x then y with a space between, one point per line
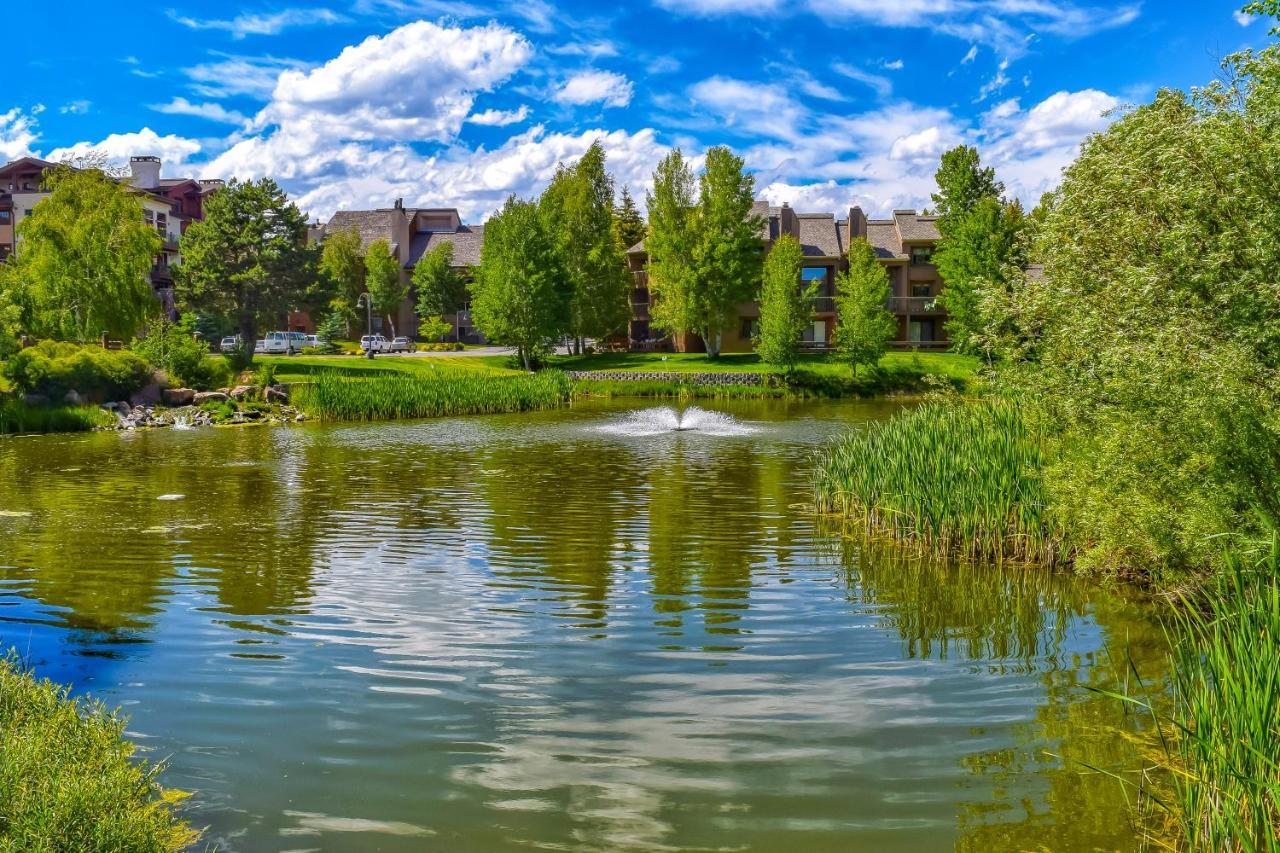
368 305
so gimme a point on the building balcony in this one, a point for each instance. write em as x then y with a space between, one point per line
915 305
823 304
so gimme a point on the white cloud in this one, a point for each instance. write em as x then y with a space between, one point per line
229 74
209 110
75 108
995 84
879 84
748 107
417 83
590 49
970 56
1244 19
17 135
711 8
176 151
263 24
499 118
895 65
592 87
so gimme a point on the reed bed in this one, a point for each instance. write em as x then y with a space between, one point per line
1226 712
390 396
18 417
959 480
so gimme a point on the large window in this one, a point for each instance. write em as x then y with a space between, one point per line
814 274
750 327
6 217
921 255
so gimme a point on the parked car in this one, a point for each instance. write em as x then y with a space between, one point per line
314 341
231 343
375 343
259 346
401 344
284 343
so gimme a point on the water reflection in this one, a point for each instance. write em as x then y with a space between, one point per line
508 632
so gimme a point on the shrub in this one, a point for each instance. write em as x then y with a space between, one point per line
432 329
52 369
265 375
175 349
67 781
444 346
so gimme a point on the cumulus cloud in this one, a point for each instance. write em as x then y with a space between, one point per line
176 151
230 74
417 82
263 24
499 118
595 87
17 134
211 111
77 108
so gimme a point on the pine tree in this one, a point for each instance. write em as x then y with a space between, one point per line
631 227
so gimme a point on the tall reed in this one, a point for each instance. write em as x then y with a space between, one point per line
390 396
18 417
960 480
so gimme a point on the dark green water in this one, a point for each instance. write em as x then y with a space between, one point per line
529 633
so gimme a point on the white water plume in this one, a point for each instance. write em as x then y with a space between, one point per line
665 419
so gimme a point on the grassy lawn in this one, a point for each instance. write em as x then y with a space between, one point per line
302 368
944 363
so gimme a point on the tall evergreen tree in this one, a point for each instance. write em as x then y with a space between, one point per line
785 308
578 209
631 227
342 263
248 258
83 265
864 326
521 292
382 279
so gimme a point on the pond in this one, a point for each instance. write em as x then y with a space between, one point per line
612 627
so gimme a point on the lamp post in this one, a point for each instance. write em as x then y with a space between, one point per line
368 305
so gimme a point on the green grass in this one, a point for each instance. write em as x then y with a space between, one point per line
944 364
956 479
332 396
67 778
303 368
18 417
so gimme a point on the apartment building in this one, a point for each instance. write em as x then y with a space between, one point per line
904 244
411 232
169 205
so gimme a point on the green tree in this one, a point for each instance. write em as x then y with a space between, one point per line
631 227
342 263
577 207
1265 8
441 287
387 290
84 258
704 258
962 182
785 308
248 258
975 253
331 329
1150 348
864 325
521 292
670 243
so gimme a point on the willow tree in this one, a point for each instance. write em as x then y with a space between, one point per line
84 258
578 209
786 309
521 293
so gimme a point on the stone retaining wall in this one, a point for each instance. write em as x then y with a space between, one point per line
670 376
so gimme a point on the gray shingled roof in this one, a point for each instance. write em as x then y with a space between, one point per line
371 225
882 234
913 226
818 237
467 242
637 249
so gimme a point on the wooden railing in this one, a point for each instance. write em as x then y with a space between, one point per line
915 305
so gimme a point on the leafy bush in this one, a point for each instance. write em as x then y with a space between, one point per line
265 375
439 347
67 781
175 349
52 369
17 417
432 329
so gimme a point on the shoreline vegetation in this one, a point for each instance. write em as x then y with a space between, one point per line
69 779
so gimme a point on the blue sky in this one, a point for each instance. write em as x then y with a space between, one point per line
354 103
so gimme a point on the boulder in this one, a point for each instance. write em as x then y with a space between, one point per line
274 394
73 399
202 397
179 396
241 391
123 409
149 394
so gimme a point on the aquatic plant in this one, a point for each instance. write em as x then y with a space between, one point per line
67 779
389 396
958 479
18 417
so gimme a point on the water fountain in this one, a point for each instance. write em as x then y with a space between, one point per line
182 423
662 420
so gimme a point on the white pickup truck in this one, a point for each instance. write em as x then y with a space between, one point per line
375 343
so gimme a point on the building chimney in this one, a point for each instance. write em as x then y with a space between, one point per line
857 224
400 204
146 172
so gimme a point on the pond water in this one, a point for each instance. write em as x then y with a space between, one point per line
591 629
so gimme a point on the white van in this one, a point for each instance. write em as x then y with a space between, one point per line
284 343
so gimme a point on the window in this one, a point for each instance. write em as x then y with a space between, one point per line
6 217
921 255
750 326
814 275
920 331
921 289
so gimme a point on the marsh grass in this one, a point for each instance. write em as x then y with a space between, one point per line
392 396
959 480
18 417
68 780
